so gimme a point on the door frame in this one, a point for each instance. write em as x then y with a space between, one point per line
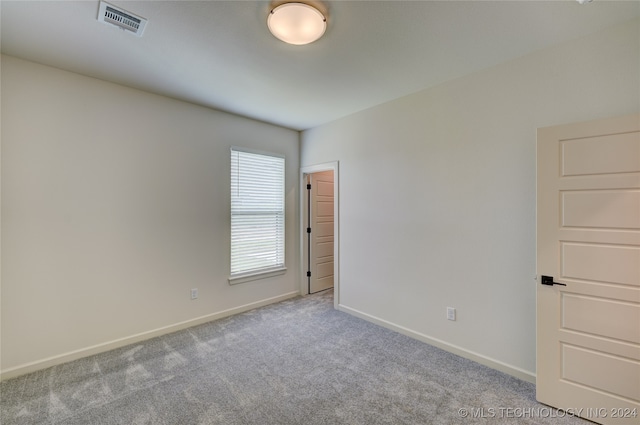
302 226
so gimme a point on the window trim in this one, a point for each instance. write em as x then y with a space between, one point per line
262 274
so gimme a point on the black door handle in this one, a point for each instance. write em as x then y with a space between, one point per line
548 280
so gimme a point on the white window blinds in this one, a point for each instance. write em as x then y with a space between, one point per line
257 212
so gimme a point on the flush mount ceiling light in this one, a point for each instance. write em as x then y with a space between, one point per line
296 23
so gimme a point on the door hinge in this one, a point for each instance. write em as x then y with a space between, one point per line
308 274
308 187
308 229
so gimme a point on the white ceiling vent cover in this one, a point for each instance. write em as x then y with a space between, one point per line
118 17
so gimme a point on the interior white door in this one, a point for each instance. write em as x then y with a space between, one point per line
321 236
588 238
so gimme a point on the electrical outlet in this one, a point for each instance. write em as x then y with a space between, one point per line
451 313
194 293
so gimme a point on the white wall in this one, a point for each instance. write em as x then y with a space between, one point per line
115 203
437 193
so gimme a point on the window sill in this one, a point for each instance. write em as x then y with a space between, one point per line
248 277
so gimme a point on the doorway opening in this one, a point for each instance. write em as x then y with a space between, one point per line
319 224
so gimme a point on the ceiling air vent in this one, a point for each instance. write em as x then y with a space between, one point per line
118 17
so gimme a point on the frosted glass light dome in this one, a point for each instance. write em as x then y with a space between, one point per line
296 23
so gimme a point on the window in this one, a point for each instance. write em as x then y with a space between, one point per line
257 215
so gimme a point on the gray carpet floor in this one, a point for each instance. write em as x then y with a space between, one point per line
295 362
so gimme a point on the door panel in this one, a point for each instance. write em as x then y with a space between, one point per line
612 376
611 209
324 270
585 261
324 209
324 249
599 316
325 187
613 153
588 238
323 230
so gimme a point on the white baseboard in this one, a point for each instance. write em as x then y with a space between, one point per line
462 352
100 348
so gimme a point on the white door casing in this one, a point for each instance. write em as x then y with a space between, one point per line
304 172
588 238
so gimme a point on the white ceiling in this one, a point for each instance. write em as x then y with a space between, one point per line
220 53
